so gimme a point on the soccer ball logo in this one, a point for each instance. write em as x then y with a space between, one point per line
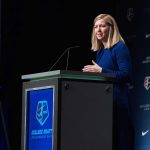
42 112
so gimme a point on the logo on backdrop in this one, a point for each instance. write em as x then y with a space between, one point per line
145 107
147 82
147 35
146 60
42 112
144 132
130 14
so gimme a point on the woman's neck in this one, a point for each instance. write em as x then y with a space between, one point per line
105 44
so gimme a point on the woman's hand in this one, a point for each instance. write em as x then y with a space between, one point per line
92 68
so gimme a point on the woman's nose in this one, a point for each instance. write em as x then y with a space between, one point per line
98 28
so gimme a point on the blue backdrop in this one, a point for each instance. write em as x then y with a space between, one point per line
134 22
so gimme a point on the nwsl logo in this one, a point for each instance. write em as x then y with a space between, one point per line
42 112
147 82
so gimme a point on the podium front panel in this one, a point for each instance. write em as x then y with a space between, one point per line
38 119
86 116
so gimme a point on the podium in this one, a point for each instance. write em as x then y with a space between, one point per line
67 110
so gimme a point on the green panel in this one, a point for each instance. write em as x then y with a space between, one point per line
68 75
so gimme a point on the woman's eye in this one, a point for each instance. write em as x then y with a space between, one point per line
103 25
100 26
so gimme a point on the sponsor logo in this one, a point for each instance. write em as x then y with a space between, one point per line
146 60
144 132
130 14
147 82
42 112
145 107
147 35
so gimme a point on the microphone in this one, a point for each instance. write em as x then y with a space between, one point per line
65 51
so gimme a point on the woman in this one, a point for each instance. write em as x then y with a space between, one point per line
113 56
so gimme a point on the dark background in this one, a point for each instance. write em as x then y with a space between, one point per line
35 33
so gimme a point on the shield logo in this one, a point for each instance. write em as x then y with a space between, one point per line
42 112
147 82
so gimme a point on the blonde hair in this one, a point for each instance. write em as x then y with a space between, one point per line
114 34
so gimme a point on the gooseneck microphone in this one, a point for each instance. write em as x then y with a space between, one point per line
65 51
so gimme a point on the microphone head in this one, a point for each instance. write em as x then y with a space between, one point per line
76 46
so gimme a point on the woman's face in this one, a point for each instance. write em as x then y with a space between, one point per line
101 29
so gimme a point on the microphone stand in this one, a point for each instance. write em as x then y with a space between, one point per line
66 50
59 58
67 59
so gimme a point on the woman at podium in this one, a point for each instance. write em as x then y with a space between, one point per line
113 56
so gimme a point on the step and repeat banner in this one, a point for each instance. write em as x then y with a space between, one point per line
134 23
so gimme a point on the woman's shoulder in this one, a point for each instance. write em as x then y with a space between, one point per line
120 46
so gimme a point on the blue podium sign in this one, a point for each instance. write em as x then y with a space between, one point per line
39 118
